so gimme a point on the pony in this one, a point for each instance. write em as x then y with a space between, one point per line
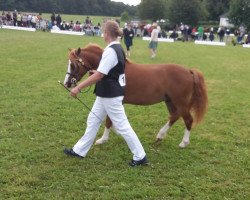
182 89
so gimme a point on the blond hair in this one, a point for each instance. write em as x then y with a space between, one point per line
112 28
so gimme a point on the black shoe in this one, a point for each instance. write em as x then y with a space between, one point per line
70 152
135 163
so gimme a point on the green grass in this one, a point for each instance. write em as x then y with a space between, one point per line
38 119
80 18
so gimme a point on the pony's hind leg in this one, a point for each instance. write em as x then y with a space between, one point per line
163 132
174 116
188 119
106 132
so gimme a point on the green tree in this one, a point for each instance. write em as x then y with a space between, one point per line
216 8
153 10
188 12
125 17
84 7
239 13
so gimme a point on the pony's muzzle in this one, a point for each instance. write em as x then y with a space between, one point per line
73 81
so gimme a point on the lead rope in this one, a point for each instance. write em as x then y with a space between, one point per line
81 101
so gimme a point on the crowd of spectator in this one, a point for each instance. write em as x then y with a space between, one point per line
27 20
87 26
31 20
187 33
181 32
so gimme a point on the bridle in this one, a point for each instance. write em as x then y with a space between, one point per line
80 63
80 60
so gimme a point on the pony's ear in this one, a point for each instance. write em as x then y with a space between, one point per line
70 49
78 51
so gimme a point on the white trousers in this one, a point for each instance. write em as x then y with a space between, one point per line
114 109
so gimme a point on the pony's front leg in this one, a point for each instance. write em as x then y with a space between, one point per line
105 135
185 140
163 132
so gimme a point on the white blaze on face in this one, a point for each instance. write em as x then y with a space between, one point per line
68 72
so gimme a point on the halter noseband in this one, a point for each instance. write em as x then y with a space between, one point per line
81 62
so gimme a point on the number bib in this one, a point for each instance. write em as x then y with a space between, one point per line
122 80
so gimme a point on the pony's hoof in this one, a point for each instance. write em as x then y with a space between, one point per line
100 141
183 144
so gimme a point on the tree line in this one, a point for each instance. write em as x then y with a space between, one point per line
81 7
192 12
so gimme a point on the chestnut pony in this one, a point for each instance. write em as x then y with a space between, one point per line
183 90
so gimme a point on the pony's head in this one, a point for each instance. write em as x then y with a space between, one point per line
80 62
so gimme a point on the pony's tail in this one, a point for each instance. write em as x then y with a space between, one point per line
199 100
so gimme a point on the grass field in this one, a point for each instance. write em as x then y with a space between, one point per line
38 119
81 18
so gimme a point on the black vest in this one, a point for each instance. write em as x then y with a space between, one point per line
109 86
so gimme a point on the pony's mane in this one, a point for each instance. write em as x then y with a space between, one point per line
92 54
95 48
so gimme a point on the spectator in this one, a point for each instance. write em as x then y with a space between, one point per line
185 33
29 20
87 21
227 34
128 35
1 21
3 18
24 20
211 34
248 38
164 34
67 27
58 20
200 33
49 25
33 21
63 26
14 15
145 31
71 25
221 33
174 35
8 17
159 31
89 31
77 27
193 33
98 29
53 18
189 33
242 32
19 19
182 27
135 28
154 40
39 20
43 25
